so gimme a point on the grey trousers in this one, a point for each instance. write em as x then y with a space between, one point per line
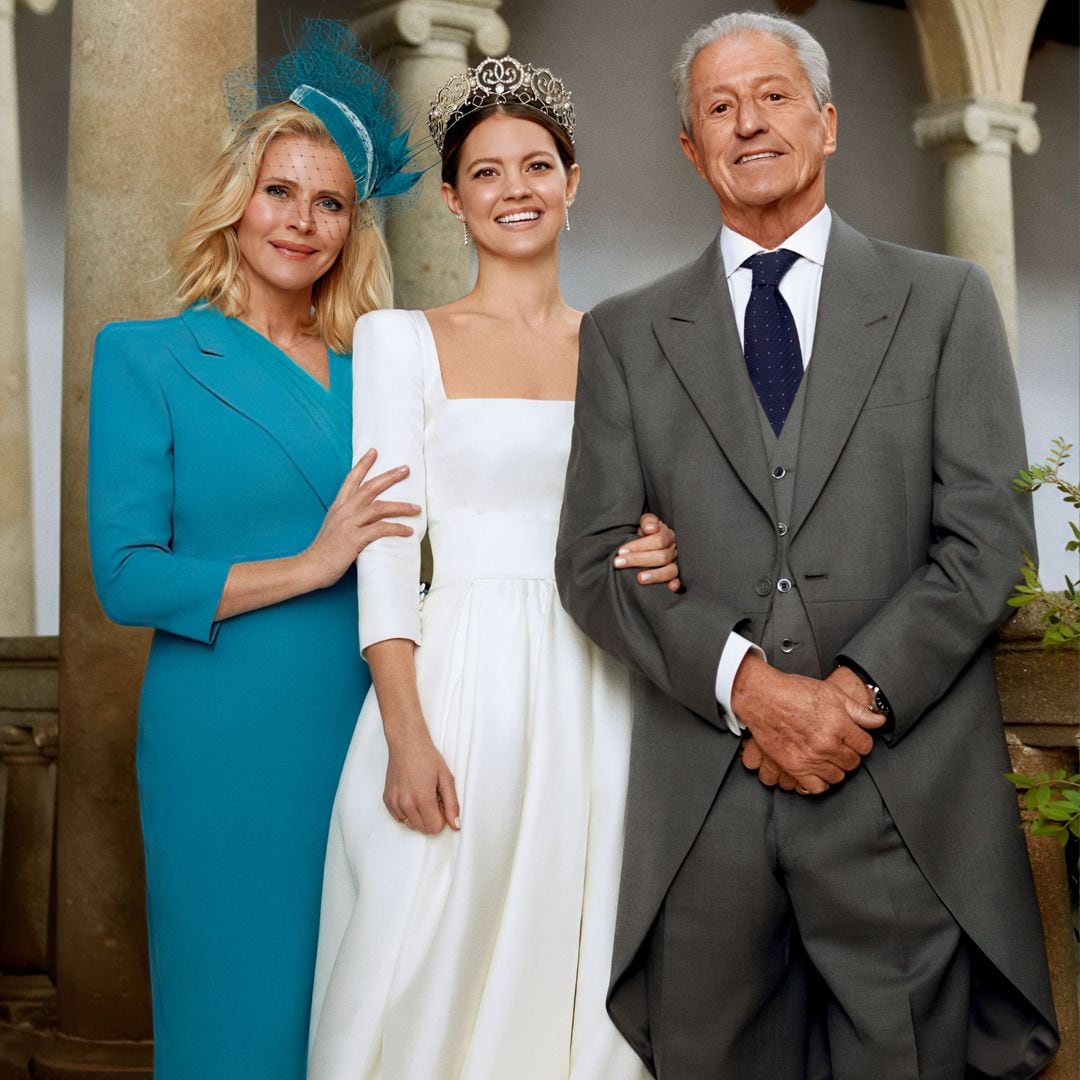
800 941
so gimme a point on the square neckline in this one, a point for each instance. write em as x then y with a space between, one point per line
422 316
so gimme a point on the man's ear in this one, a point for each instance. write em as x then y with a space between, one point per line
828 116
689 148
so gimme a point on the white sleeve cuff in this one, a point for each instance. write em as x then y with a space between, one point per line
735 648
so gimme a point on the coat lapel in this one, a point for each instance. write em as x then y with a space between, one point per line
701 342
858 313
234 373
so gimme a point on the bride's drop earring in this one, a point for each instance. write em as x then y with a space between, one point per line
568 205
465 228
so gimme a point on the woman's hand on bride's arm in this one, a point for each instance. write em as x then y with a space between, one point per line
655 550
420 791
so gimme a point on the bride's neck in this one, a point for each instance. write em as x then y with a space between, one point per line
525 288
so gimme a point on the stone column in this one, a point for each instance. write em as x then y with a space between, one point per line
146 119
425 42
16 526
974 55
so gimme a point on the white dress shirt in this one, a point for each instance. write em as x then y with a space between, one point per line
801 288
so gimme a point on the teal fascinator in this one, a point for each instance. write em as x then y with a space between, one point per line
329 73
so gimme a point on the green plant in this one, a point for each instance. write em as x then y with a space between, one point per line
1061 611
1054 800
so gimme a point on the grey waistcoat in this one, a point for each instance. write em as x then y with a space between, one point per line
787 637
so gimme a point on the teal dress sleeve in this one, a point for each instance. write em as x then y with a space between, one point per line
140 580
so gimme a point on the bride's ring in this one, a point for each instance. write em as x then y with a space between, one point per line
802 791
404 820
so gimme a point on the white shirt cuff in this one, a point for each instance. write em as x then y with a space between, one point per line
735 648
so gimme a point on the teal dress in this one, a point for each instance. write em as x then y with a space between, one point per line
209 446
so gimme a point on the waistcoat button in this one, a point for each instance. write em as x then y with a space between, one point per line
779 472
786 644
783 585
781 528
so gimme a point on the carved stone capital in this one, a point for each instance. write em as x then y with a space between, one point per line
425 25
996 126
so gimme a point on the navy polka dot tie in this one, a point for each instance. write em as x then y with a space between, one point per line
770 340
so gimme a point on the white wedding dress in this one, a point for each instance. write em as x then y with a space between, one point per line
482 954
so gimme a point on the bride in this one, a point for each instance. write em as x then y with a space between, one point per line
468 914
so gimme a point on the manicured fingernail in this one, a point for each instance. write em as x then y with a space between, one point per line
623 551
643 578
457 823
402 469
620 562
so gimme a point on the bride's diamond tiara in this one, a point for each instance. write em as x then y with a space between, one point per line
499 82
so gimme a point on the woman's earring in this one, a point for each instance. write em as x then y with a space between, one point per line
465 228
568 205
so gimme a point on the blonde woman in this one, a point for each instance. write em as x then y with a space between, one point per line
224 515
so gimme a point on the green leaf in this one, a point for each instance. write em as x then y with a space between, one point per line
1058 811
1019 779
1043 795
1043 828
1074 826
1031 799
1059 774
1072 798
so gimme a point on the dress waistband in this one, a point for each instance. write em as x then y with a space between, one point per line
467 546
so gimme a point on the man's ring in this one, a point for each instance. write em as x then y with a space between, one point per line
801 791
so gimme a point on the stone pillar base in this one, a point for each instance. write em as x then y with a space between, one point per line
79 1059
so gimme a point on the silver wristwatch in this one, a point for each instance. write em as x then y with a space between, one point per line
879 703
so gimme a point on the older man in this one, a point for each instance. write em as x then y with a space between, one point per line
830 424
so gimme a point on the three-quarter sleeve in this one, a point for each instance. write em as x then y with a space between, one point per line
140 581
388 414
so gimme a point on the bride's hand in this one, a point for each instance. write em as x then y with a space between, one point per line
420 791
656 549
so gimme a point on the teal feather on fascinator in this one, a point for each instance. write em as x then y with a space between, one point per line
328 73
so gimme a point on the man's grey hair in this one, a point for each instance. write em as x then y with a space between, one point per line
808 52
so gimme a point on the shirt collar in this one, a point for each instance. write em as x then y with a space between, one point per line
810 242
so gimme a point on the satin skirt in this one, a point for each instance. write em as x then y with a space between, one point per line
483 954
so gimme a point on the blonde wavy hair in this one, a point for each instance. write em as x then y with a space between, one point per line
207 255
